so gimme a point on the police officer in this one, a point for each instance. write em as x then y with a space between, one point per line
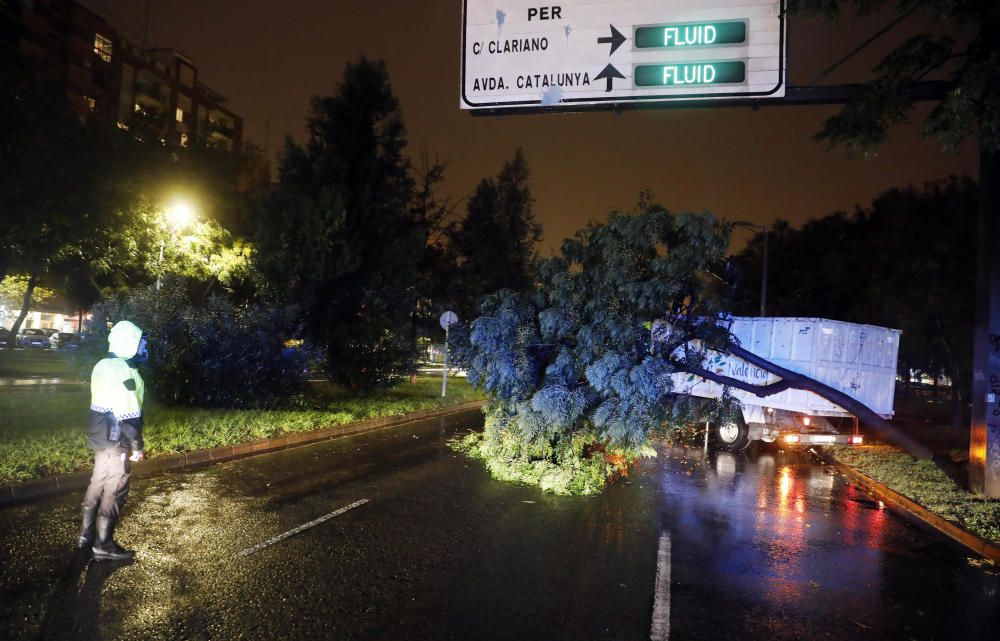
115 435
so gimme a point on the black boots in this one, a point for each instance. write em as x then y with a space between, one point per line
87 528
105 547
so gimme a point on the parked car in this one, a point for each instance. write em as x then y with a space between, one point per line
6 340
33 337
64 340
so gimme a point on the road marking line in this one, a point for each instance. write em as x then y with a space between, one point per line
303 527
660 630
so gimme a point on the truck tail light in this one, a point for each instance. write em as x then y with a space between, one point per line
856 440
792 438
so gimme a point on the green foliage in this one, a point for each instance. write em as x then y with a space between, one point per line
57 201
565 470
216 355
336 237
575 359
203 252
438 287
904 262
923 482
12 291
971 105
496 240
83 207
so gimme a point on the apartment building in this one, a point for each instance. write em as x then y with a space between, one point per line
114 82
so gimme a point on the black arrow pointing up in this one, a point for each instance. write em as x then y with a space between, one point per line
616 39
610 73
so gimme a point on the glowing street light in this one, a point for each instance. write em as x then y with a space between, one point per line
178 215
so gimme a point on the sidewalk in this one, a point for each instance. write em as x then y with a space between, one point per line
936 493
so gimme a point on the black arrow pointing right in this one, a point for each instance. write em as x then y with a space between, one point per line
616 39
610 73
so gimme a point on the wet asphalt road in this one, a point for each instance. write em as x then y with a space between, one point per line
766 545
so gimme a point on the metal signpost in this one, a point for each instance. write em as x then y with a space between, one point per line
448 319
520 55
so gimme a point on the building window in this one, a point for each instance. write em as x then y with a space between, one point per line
90 102
186 75
184 140
102 47
184 108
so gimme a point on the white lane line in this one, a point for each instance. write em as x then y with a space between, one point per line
304 526
660 630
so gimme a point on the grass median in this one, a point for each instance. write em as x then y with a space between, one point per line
926 484
36 363
44 432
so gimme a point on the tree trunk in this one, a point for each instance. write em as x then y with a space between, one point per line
4 264
413 339
208 290
28 293
795 380
956 405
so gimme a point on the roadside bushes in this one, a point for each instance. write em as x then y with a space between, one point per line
216 355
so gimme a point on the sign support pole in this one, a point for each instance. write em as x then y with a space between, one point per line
444 372
984 445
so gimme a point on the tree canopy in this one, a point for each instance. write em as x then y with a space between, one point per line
496 240
574 360
336 236
906 261
968 59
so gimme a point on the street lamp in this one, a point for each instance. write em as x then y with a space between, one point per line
763 270
176 217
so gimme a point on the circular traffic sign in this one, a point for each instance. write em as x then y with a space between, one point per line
448 319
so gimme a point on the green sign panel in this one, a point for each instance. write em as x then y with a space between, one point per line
690 73
691 34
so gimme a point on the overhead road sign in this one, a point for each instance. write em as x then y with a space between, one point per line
521 55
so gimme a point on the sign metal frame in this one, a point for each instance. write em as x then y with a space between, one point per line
615 103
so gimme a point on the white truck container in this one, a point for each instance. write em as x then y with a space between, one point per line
858 360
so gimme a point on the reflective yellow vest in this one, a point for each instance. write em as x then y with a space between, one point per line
115 386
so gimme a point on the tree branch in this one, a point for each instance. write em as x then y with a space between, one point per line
794 380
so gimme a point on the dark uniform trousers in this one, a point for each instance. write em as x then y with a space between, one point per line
108 487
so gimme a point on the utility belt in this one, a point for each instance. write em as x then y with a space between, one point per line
112 425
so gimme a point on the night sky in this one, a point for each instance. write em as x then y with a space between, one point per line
269 57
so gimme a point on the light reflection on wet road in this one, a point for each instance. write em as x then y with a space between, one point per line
766 545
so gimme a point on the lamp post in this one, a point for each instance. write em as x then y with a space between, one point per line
763 269
448 319
176 217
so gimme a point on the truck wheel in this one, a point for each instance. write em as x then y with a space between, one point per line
733 436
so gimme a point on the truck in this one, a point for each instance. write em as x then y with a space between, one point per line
854 359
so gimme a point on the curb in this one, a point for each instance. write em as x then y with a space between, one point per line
36 489
893 498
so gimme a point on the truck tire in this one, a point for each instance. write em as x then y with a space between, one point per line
732 436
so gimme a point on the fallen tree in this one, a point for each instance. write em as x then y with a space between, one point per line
571 370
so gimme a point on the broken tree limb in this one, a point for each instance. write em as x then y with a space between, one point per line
791 379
